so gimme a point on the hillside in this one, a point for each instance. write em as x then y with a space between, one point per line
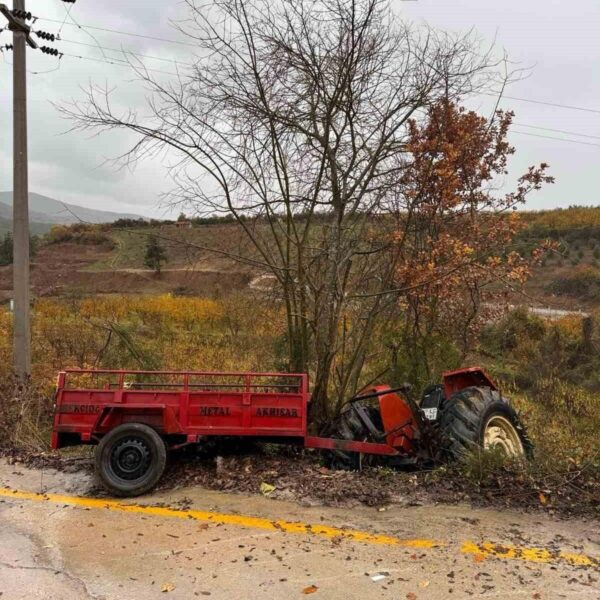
35 227
570 273
111 260
50 211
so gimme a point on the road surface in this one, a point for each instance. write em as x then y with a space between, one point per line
193 543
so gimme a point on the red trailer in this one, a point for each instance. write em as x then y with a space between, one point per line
136 416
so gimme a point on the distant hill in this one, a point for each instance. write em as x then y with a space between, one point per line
45 210
35 228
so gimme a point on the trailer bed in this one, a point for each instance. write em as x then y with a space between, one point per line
191 404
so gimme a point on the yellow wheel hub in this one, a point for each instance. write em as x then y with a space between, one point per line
501 433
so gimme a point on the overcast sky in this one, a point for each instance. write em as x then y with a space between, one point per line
558 39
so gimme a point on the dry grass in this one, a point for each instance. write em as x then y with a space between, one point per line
25 417
562 414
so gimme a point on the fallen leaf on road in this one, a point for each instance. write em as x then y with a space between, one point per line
411 596
266 488
479 558
543 499
537 596
167 587
311 589
424 583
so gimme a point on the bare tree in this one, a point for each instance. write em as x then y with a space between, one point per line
294 119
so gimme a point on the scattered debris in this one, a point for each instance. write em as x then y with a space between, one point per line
301 477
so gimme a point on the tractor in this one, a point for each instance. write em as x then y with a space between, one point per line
136 417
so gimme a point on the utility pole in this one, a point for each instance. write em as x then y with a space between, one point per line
21 321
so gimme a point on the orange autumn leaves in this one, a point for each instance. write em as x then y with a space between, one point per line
459 228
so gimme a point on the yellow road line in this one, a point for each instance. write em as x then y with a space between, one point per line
537 555
223 518
480 551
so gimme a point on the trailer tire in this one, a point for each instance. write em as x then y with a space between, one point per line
479 417
130 459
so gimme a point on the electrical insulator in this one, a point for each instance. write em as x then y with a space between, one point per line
46 36
21 14
51 51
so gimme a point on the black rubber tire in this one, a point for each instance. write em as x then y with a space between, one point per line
347 427
140 439
465 416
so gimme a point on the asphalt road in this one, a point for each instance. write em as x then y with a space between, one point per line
192 543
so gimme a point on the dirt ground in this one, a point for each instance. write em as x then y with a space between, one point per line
70 268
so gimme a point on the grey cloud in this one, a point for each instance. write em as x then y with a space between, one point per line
558 39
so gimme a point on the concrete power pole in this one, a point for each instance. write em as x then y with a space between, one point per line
21 323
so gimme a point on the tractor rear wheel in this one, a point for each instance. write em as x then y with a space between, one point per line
479 417
130 459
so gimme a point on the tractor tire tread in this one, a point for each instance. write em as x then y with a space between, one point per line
465 415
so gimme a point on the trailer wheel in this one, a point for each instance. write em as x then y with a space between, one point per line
130 459
479 417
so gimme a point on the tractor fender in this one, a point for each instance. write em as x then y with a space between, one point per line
459 379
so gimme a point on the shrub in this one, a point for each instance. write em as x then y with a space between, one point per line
513 330
565 398
79 233
583 282
482 468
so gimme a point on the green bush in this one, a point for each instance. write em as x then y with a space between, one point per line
510 332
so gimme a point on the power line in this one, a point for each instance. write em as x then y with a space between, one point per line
180 42
125 51
124 63
567 106
549 137
585 135
138 35
119 63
